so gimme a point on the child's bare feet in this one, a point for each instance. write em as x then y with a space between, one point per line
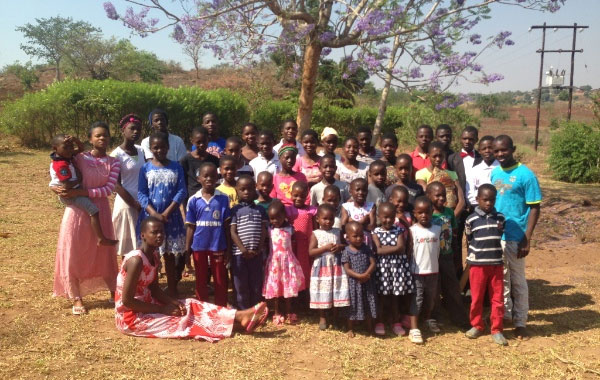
245 316
109 242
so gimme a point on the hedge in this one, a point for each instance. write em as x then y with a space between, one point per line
575 153
71 106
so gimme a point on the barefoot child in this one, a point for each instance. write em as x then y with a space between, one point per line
328 282
426 251
284 277
450 291
359 263
393 278
248 235
64 174
228 169
161 190
358 209
250 136
143 309
308 164
328 168
264 186
207 220
285 179
484 229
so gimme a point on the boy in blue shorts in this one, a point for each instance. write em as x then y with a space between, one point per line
519 197
207 220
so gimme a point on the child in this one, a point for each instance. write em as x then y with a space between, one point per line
227 169
419 156
332 196
393 276
481 171
308 164
484 229
250 135
64 174
207 219
349 168
358 209
389 146
328 168
285 179
161 189
301 217
329 141
289 131
267 160
192 161
328 280
233 148
248 235
216 144
159 122
400 199
359 263
435 172
284 276
404 171
366 152
450 291
377 178
264 186
426 251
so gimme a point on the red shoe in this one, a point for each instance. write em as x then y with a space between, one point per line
291 319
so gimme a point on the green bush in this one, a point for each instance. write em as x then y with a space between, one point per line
402 120
71 106
575 153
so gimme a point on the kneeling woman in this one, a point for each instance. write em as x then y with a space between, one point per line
143 309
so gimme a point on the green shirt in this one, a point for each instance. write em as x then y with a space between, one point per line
447 222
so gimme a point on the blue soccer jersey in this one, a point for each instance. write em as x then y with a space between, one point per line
209 219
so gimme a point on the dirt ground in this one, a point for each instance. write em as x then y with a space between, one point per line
39 337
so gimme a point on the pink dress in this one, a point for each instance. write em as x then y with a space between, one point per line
302 220
81 266
284 276
282 187
311 171
202 321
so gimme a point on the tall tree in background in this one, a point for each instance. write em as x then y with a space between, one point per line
425 33
48 38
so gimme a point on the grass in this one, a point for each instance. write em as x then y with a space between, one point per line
41 339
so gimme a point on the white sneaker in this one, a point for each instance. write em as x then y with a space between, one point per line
415 336
433 326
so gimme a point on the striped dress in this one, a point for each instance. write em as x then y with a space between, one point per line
328 281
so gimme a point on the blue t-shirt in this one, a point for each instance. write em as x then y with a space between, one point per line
215 148
209 219
518 188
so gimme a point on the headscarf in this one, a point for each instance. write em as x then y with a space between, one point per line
287 147
129 118
328 131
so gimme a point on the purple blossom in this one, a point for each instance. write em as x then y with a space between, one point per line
110 10
137 20
501 39
475 39
327 36
325 52
178 34
490 78
415 72
476 67
509 42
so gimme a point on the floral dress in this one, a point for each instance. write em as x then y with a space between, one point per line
328 280
302 221
362 296
284 277
202 320
393 271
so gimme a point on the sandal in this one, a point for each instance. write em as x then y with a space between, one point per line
291 319
278 319
79 310
379 329
254 323
398 329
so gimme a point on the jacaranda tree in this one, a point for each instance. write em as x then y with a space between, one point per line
411 43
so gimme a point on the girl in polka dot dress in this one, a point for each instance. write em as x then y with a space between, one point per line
394 280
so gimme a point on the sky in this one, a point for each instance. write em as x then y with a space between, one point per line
519 63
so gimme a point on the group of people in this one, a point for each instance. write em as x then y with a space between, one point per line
367 235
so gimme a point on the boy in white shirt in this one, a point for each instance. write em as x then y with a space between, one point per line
481 171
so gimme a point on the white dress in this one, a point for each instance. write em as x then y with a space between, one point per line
124 217
347 175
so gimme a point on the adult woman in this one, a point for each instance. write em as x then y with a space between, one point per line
127 208
83 267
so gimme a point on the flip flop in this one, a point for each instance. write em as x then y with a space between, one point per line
253 324
79 310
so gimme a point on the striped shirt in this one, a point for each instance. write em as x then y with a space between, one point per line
249 219
101 164
484 231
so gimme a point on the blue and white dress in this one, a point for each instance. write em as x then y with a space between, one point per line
158 187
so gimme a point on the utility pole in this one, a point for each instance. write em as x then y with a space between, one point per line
542 51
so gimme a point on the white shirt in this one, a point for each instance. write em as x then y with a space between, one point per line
316 192
261 164
426 249
301 151
477 176
347 175
130 168
177 149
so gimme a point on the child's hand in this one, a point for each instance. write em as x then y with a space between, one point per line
173 310
364 278
337 248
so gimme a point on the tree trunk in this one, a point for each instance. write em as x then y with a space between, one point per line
309 80
385 92
57 70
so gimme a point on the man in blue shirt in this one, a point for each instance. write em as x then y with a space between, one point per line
519 197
